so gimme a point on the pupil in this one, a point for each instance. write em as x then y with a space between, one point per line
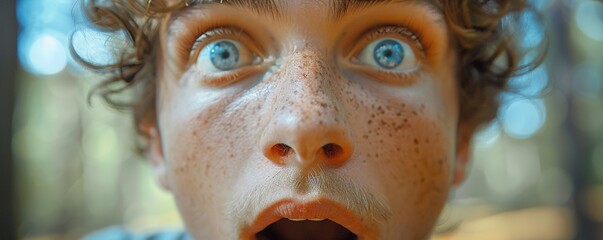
225 54
387 53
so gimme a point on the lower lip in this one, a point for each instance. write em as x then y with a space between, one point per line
318 209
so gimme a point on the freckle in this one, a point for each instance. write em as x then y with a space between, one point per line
414 112
323 105
406 120
365 136
195 133
416 150
370 121
422 179
376 155
416 141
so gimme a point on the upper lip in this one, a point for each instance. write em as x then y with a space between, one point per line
316 209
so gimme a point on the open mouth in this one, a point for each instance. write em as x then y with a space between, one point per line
300 229
318 219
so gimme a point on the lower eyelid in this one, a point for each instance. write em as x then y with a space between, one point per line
221 79
398 79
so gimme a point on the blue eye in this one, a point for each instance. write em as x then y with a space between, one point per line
224 55
390 54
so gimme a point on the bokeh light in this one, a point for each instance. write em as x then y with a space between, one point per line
589 19
46 55
44 38
522 118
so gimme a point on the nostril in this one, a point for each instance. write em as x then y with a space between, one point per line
332 150
281 150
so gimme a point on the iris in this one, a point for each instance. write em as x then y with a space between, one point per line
224 55
388 54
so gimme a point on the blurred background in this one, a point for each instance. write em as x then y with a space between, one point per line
68 167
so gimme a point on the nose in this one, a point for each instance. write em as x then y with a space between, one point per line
307 127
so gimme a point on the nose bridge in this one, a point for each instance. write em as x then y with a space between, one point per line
307 126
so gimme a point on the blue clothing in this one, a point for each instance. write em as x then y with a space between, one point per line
119 233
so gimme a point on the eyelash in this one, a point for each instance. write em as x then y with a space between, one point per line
415 37
216 32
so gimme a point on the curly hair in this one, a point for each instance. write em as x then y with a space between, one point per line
481 31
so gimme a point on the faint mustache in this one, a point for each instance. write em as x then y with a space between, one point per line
326 183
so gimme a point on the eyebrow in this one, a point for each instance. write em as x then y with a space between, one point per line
337 8
260 6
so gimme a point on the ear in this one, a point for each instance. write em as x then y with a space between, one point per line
155 155
463 152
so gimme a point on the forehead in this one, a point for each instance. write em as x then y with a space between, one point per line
336 8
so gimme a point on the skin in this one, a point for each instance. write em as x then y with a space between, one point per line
396 137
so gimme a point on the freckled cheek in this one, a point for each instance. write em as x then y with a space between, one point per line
411 148
193 168
204 151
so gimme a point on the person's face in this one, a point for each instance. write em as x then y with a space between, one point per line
339 114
